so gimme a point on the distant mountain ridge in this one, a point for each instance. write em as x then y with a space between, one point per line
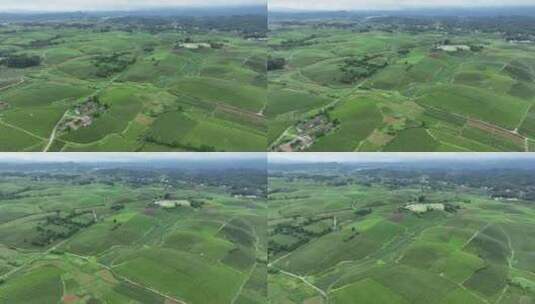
437 11
148 12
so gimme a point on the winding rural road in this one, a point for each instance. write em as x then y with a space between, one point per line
15 270
54 131
293 275
278 259
95 93
127 279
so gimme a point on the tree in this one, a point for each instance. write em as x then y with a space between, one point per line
22 61
276 64
196 204
476 48
363 211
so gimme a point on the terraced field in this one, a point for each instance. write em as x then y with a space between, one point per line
348 234
426 83
141 74
102 237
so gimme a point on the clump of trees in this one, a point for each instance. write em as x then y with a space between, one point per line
177 144
358 68
421 199
276 64
148 49
108 65
354 234
117 206
14 194
476 48
39 43
61 226
404 52
448 207
197 204
216 45
305 41
363 211
297 230
21 61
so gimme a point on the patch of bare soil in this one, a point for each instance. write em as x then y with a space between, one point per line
68 299
498 131
314 300
107 276
397 217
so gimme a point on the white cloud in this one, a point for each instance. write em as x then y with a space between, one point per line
387 4
76 5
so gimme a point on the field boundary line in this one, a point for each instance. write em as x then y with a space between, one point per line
121 277
223 225
279 258
21 129
475 235
461 286
502 294
33 259
510 245
21 81
238 293
293 275
523 118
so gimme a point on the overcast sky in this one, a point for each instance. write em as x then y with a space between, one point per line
386 4
125 157
85 5
390 157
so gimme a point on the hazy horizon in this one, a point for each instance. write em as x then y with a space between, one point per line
115 5
356 5
346 157
107 157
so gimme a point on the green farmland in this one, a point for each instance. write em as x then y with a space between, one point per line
411 233
131 233
333 83
436 84
111 83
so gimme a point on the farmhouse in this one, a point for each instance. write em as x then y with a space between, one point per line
313 123
169 204
422 208
453 48
244 196
194 46
299 143
520 41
